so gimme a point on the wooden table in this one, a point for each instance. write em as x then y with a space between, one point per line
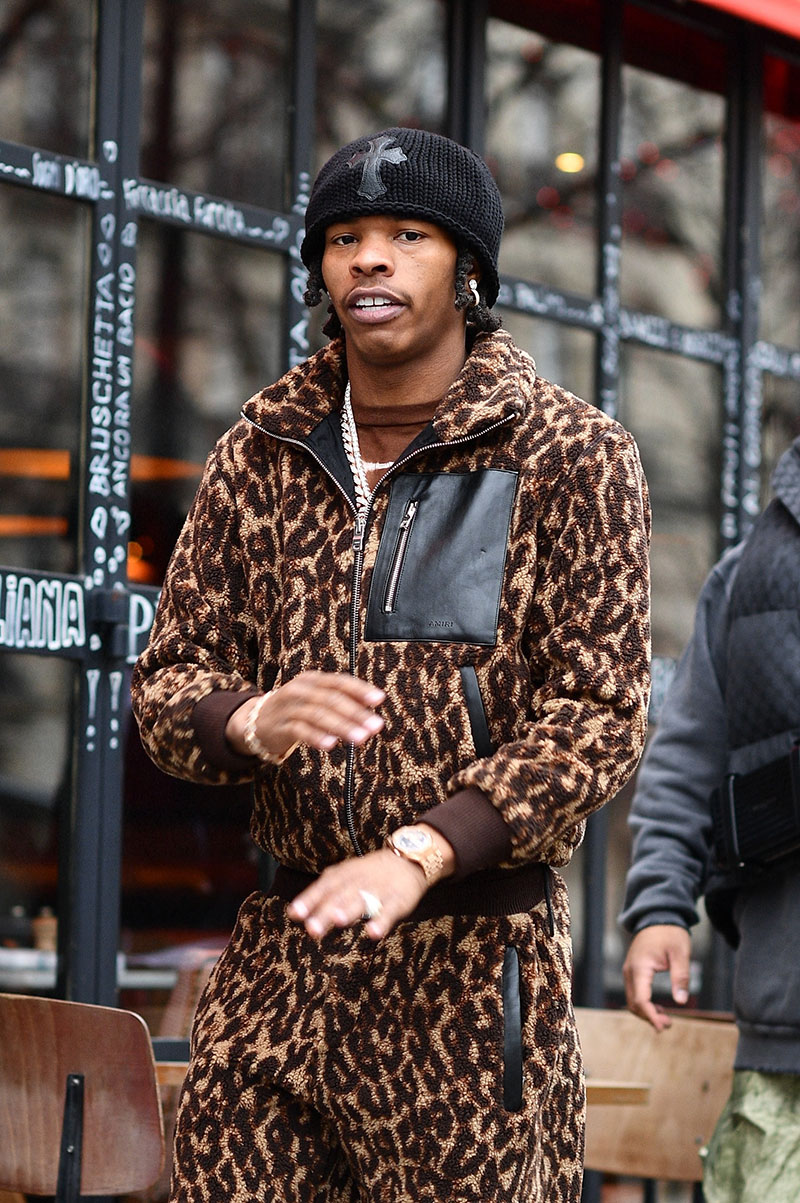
688 1066
604 1090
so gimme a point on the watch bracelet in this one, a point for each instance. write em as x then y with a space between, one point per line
251 740
432 865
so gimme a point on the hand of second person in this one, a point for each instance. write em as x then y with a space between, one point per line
314 708
344 892
664 946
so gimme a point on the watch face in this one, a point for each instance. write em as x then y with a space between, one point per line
411 839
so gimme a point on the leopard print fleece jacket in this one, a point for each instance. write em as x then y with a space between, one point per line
498 594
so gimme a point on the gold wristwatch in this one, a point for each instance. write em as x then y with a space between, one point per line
416 844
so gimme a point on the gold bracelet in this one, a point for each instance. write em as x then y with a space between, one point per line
251 741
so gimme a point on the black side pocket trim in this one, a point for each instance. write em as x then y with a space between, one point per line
512 1031
476 711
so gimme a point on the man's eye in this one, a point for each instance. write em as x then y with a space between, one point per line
411 235
344 240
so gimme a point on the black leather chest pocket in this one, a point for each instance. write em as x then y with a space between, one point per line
439 569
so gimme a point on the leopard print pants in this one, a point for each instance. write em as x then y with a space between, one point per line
348 1071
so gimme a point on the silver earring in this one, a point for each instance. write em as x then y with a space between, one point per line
473 287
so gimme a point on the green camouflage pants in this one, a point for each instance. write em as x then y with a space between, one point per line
754 1154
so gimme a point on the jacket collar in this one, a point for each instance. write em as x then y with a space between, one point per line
295 405
493 386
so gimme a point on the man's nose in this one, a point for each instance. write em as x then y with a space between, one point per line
373 255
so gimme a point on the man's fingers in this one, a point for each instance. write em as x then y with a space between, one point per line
335 718
377 890
320 709
639 996
656 1016
678 955
679 981
329 727
317 683
347 912
638 986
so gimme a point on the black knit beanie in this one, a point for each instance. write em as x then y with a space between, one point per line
410 172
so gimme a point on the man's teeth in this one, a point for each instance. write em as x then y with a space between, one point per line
372 302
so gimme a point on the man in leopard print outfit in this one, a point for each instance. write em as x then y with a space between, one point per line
410 603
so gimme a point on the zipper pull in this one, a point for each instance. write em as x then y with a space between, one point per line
408 517
399 555
358 533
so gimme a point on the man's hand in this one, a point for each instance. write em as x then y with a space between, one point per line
343 893
665 946
314 708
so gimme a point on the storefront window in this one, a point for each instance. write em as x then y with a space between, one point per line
45 75
671 406
209 325
43 247
35 702
379 64
672 166
541 142
214 83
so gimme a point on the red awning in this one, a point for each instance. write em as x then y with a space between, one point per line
579 21
777 14
656 42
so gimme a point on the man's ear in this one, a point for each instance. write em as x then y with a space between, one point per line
473 280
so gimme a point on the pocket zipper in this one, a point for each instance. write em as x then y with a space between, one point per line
395 572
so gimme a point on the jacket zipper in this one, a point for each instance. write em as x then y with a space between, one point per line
398 559
355 604
359 538
359 531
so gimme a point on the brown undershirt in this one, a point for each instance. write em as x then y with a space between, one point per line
384 432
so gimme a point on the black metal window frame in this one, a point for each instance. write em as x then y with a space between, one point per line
110 616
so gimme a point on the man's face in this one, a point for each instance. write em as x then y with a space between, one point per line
392 283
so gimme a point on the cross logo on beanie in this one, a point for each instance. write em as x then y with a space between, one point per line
372 186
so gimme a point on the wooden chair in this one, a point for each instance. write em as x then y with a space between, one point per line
689 1068
80 1112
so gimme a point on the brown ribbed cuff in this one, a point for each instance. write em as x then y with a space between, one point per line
210 717
474 828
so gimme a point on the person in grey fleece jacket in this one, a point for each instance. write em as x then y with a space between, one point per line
732 707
